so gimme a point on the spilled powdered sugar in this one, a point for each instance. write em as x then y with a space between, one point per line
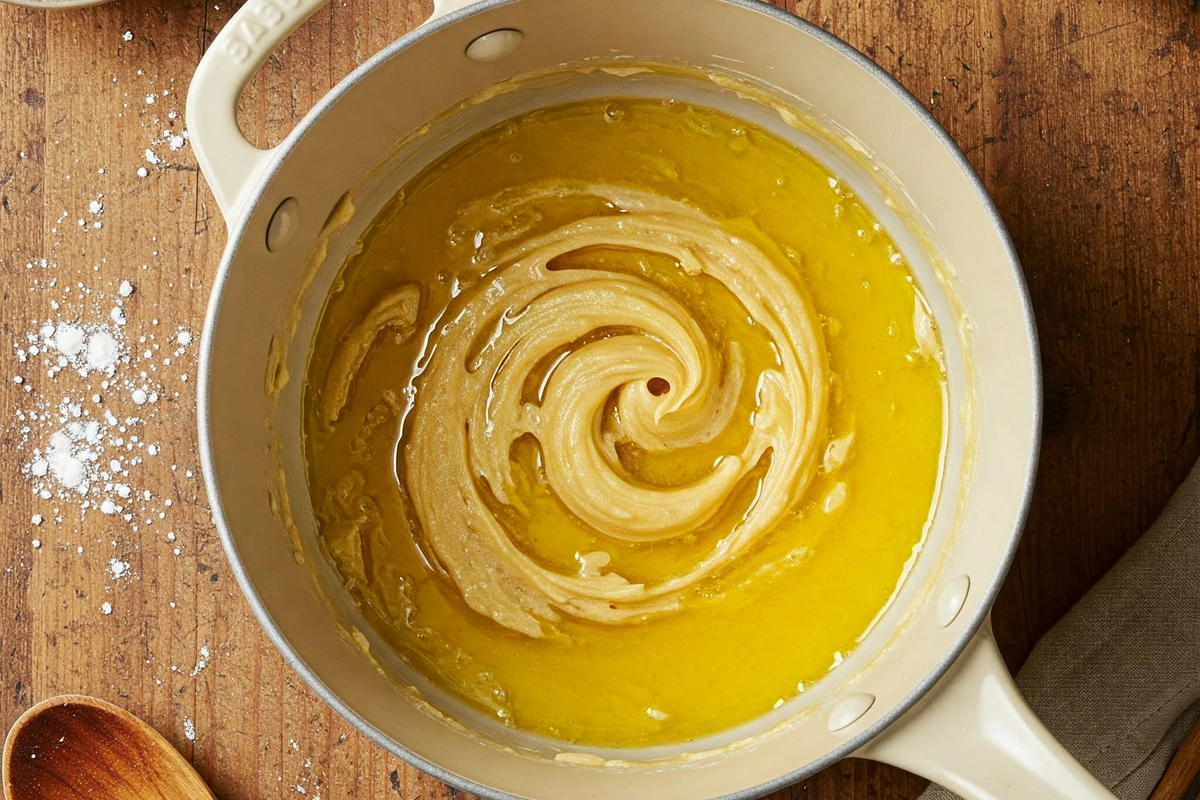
86 432
118 567
201 662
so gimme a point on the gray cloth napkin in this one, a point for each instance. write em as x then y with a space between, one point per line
1117 680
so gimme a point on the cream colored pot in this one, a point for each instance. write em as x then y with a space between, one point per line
926 689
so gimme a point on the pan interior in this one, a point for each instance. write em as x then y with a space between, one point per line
785 117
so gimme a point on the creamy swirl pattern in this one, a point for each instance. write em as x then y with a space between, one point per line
605 338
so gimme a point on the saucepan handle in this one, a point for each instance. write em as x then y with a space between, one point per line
975 734
229 162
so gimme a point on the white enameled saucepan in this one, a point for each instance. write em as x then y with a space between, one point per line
926 688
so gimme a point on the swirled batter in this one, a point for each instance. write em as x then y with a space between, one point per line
624 421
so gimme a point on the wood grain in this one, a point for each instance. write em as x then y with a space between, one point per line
1082 119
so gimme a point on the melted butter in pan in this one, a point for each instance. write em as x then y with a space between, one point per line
619 425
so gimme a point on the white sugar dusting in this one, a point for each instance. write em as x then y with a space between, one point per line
202 661
91 383
103 350
68 340
95 367
173 141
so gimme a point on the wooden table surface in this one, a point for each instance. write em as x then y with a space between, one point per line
1081 117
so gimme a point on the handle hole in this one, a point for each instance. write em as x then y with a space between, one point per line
311 61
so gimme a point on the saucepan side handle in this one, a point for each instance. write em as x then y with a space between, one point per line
443 7
975 734
229 162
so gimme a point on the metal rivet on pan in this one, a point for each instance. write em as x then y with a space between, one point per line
952 600
283 225
850 710
495 45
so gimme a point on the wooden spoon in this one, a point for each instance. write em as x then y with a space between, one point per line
73 747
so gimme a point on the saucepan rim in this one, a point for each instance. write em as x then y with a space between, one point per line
238 230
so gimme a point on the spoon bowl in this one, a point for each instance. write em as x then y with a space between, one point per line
73 747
